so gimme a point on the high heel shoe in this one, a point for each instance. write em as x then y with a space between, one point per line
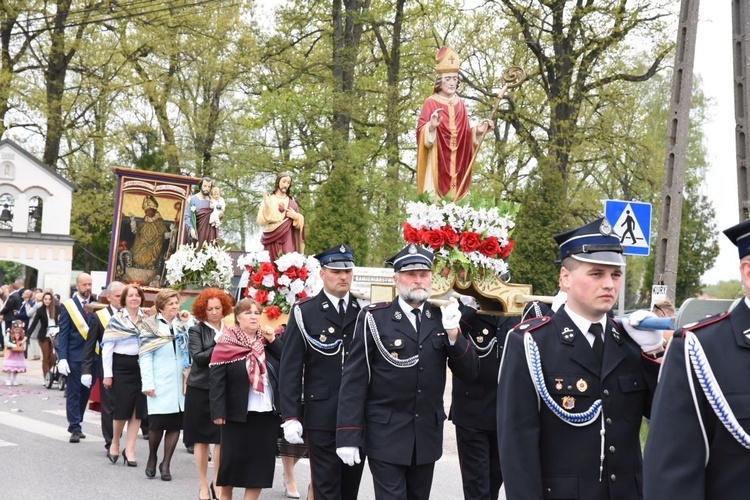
127 462
213 491
165 476
151 473
112 458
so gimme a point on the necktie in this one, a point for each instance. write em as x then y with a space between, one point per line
598 346
416 312
342 309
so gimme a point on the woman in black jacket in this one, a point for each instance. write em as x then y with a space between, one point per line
244 389
210 308
45 319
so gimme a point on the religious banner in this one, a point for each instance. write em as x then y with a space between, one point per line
148 224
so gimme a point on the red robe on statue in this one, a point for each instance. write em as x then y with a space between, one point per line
446 166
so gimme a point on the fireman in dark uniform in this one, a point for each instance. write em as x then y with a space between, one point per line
575 386
473 410
316 342
391 398
698 445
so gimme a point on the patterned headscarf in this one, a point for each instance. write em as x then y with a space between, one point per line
235 345
151 337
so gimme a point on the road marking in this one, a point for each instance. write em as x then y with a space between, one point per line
88 417
3 444
42 428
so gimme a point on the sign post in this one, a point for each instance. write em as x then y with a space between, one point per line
631 221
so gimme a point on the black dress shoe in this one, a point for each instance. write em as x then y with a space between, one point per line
81 435
190 449
165 476
75 438
112 458
150 473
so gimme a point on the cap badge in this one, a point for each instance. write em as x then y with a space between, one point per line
605 228
581 385
412 249
569 402
342 249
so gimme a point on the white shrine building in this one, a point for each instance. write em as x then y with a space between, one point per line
35 207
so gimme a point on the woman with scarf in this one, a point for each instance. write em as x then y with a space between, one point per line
122 375
163 357
210 308
244 388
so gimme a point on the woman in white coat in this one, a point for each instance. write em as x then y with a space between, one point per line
163 358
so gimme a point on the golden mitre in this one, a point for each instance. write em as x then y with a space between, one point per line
149 202
447 60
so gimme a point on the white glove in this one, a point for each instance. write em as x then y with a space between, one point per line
349 455
649 340
292 431
469 301
63 368
451 315
86 380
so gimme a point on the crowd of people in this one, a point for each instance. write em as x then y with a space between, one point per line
550 407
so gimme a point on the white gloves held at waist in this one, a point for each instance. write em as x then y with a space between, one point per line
349 455
292 431
86 380
451 315
63 368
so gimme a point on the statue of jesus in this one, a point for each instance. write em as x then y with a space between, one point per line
278 215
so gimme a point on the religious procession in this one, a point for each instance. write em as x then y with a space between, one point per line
277 361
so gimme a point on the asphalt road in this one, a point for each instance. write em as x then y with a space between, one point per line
39 463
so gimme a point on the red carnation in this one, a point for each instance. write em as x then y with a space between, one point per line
256 279
433 238
411 235
505 251
250 269
272 312
266 268
302 294
261 296
469 241
489 247
302 273
450 235
291 273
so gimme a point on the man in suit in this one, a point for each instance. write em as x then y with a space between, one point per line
316 344
74 330
473 409
92 357
574 386
698 445
391 397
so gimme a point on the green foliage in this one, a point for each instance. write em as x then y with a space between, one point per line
731 289
339 216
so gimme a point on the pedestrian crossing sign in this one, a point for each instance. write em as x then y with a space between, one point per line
631 221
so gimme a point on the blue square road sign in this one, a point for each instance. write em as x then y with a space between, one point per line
631 221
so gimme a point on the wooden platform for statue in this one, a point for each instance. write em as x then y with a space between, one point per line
495 296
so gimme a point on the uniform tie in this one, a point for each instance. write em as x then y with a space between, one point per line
416 312
342 309
598 346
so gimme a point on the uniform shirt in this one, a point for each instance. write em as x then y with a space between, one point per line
583 324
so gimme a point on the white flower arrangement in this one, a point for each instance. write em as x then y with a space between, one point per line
208 266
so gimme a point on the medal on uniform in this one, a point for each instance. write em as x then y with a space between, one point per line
569 402
559 385
581 385
480 339
323 338
394 354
